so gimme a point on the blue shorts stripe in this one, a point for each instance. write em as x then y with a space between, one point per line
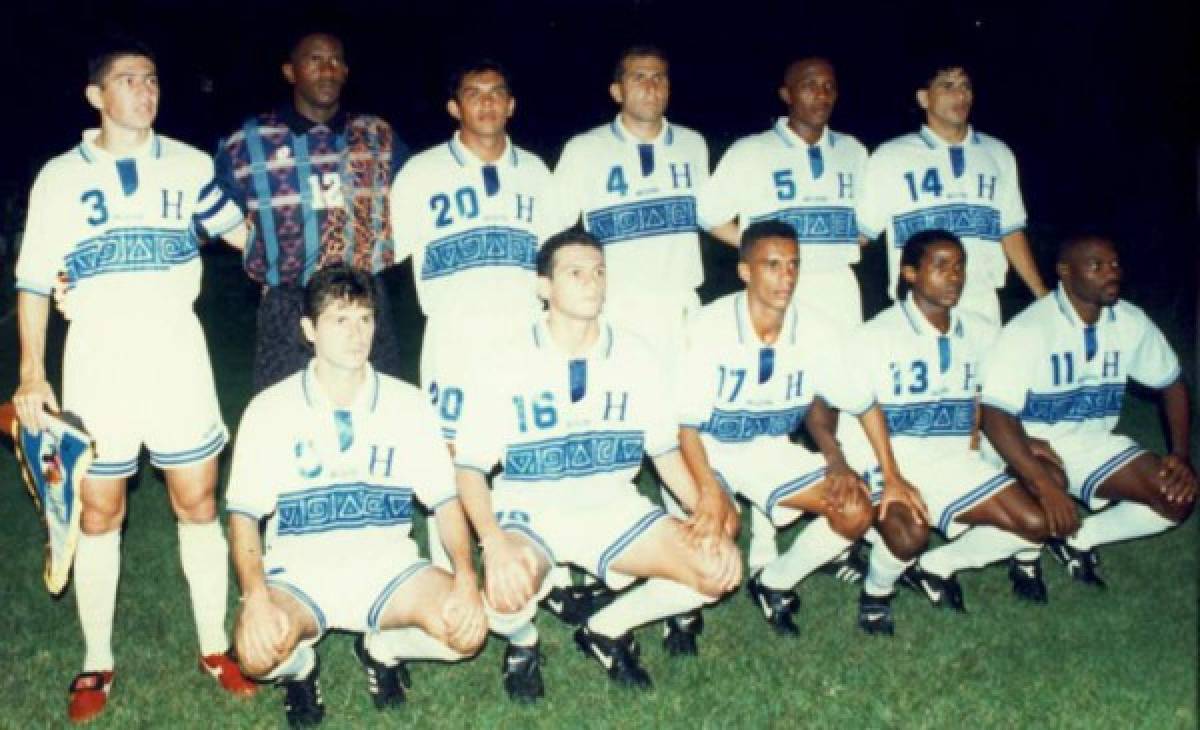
386 594
1105 470
972 498
302 597
787 489
612 552
164 459
528 532
112 469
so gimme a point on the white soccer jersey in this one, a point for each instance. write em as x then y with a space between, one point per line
739 391
472 228
776 175
123 228
335 479
1063 378
925 382
918 181
638 199
562 424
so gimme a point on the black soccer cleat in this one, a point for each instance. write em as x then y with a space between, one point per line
1080 564
1027 583
777 606
385 684
522 673
875 614
303 702
574 605
680 632
619 657
941 592
850 566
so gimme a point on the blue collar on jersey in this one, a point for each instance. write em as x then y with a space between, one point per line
666 136
91 154
463 156
301 125
933 142
602 349
745 329
1068 311
829 138
366 399
922 326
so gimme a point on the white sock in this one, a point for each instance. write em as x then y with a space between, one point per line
411 643
560 576
657 598
205 559
1030 555
815 546
884 570
437 551
298 664
1122 521
975 548
97 568
762 540
517 626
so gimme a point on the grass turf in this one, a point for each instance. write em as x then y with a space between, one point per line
1123 658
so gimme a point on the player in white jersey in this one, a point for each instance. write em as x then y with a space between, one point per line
331 459
569 410
471 212
1052 394
919 361
803 173
760 364
949 176
122 214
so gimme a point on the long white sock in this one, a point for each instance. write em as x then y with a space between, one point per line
297 664
1122 521
97 569
885 569
815 546
1028 555
559 576
762 540
517 626
975 548
205 559
655 599
411 643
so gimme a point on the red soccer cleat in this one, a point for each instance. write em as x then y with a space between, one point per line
224 669
88 695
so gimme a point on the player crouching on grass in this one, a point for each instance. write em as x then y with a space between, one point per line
568 410
919 360
332 458
1052 395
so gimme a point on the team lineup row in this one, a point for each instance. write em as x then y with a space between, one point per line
525 373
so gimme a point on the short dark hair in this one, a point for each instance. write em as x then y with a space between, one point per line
545 254
756 232
641 50
938 62
108 51
915 248
338 282
1070 243
475 66
304 31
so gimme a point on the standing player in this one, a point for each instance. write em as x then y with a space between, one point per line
313 180
759 364
803 173
569 410
121 214
1052 393
919 361
332 458
949 176
471 211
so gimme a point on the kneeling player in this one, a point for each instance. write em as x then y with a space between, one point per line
1053 388
332 457
919 360
568 411
756 363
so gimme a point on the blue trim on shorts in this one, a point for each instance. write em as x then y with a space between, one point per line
386 594
434 507
1094 480
612 552
972 498
164 460
537 540
787 489
664 452
236 510
113 469
299 595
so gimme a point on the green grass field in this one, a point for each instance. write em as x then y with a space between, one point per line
1125 658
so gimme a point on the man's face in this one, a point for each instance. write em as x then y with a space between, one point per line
341 335
810 91
770 272
483 104
939 277
1092 273
576 285
948 99
643 90
127 97
317 71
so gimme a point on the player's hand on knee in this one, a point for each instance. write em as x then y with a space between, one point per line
1177 480
31 399
897 491
463 619
1042 449
262 634
715 517
510 570
842 486
1061 515
721 568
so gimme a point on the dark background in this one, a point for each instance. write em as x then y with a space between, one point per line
1096 99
